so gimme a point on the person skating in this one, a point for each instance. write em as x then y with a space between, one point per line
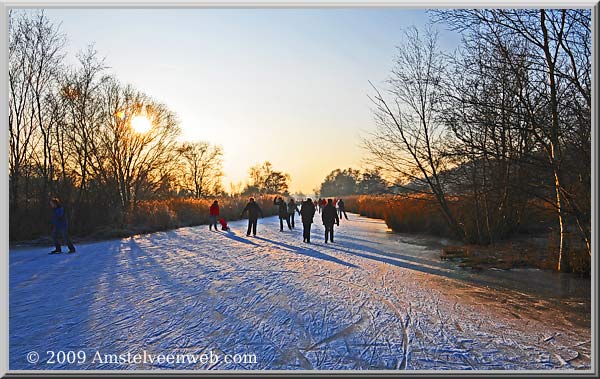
253 211
307 212
61 223
282 212
316 205
292 209
213 214
341 208
329 217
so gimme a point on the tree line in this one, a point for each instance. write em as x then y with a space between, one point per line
72 135
352 182
502 121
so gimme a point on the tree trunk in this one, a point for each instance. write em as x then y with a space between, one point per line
555 145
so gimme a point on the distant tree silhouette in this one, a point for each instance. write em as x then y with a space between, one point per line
340 183
265 180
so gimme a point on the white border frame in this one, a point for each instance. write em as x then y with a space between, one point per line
4 232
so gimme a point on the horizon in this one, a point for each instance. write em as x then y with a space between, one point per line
288 86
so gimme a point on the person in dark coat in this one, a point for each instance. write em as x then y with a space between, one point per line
292 209
329 217
213 214
61 223
342 208
307 212
253 211
283 213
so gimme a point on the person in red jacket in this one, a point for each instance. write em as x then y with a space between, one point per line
214 213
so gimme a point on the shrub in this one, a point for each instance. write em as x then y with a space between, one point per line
402 213
421 214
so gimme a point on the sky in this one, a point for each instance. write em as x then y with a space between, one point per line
287 86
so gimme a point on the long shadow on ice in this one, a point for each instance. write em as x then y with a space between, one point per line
555 285
230 234
308 252
51 299
347 237
411 258
416 264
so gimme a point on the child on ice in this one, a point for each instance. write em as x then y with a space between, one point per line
224 224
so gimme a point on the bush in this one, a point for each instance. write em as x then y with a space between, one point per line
95 222
421 214
402 213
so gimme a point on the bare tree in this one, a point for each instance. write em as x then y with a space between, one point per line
202 165
46 57
71 133
409 141
263 179
20 74
138 162
35 59
81 92
558 46
487 144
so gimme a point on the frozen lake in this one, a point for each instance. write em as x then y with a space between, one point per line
372 300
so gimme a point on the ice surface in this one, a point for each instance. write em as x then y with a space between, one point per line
371 300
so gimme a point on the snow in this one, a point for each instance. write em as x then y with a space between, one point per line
371 300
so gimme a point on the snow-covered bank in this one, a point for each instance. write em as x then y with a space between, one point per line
372 300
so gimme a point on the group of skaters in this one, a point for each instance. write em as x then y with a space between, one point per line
339 203
286 211
330 215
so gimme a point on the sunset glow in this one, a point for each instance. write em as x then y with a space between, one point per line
141 124
274 85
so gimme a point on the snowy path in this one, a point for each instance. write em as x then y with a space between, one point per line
361 303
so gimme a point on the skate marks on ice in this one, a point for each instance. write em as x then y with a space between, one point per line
294 306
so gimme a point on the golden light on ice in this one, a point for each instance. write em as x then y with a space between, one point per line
141 124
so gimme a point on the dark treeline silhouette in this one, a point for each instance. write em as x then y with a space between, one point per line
503 122
351 182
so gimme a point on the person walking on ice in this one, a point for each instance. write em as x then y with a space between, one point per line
213 214
292 209
329 217
283 212
342 208
253 211
307 212
61 223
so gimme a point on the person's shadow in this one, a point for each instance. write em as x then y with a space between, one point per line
308 252
231 234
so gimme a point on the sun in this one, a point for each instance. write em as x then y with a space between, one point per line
141 124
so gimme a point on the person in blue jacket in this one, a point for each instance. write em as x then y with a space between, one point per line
60 222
